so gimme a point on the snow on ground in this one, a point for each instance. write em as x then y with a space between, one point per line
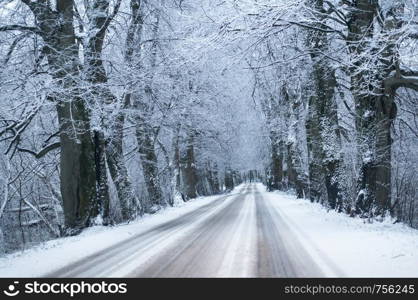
54 254
341 245
240 258
349 247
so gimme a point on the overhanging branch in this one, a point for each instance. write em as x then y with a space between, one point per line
43 152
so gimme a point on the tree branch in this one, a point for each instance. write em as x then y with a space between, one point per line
393 83
312 27
43 152
110 18
17 27
13 47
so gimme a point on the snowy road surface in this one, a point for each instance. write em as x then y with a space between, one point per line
236 235
248 233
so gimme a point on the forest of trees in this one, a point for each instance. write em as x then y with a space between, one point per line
116 108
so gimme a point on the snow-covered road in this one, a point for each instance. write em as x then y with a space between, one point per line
247 233
237 235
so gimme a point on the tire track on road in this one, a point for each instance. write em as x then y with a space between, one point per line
203 252
280 254
99 262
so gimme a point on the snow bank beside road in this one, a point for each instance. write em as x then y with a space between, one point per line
349 247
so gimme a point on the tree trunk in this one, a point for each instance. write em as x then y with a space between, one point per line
213 178
229 180
375 111
323 137
77 167
276 163
96 74
291 172
102 193
315 158
188 170
145 138
295 163
176 158
129 203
